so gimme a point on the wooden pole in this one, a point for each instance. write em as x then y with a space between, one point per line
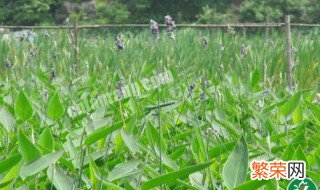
267 27
75 33
288 52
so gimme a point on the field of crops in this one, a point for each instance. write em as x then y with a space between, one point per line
184 113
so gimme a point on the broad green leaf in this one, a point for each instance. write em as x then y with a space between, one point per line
5 184
290 105
123 170
46 140
22 107
176 154
59 179
315 176
273 184
55 109
317 160
255 184
297 116
254 78
155 137
40 164
93 172
166 159
221 149
196 180
28 150
287 153
315 109
12 175
8 163
6 119
186 185
96 178
172 176
235 169
103 132
299 138
199 138
272 106
130 141
300 155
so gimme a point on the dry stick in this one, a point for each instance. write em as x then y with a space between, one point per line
288 52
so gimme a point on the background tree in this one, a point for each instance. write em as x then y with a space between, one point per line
32 12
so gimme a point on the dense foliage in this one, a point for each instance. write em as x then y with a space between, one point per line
31 12
226 105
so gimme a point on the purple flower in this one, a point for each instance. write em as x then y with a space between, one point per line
170 25
154 29
201 97
120 88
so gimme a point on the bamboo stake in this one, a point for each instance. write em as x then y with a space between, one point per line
288 52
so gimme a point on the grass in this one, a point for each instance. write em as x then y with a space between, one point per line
184 134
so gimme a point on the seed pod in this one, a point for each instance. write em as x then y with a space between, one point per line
214 132
32 53
191 88
45 95
119 43
7 63
271 43
204 42
120 88
260 104
231 30
52 74
221 48
244 50
201 97
75 68
293 51
46 33
26 64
